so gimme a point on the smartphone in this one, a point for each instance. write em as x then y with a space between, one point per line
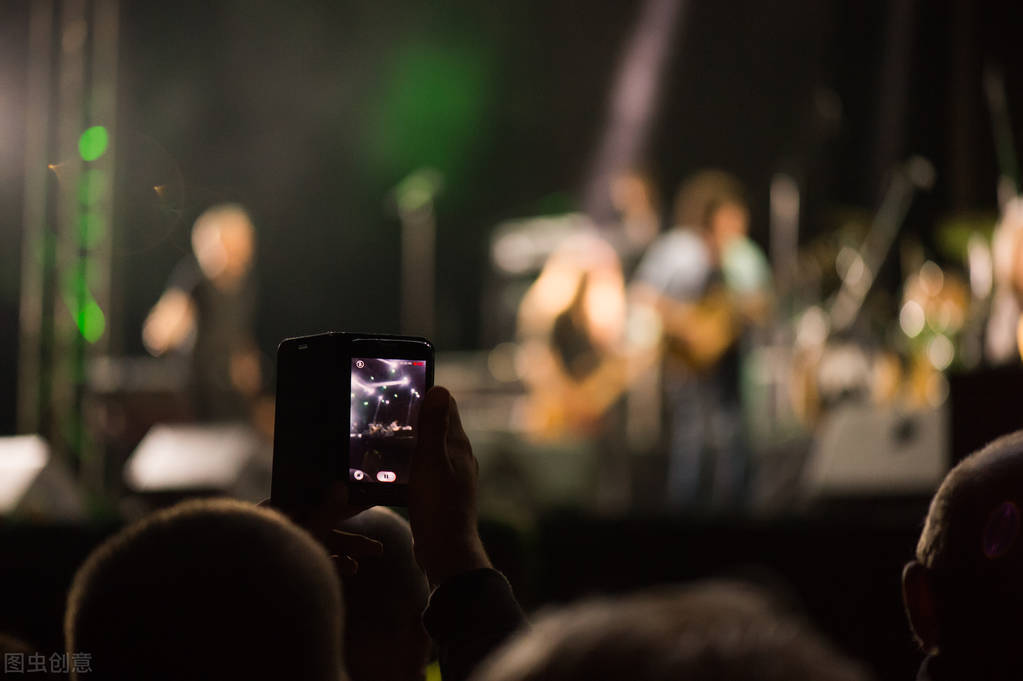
348 409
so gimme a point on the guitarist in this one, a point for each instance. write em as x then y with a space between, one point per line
570 328
707 282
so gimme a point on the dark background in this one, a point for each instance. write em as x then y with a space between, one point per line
310 113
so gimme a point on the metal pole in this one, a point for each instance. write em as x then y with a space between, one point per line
33 247
414 200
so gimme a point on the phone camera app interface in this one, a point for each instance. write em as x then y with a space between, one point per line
386 395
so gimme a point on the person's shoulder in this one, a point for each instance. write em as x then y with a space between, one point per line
688 236
680 245
677 263
679 241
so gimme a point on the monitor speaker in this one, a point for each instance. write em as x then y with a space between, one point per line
34 484
864 450
229 459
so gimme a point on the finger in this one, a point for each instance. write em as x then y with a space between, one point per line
455 431
354 544
459 448
433 415
433 426
345 565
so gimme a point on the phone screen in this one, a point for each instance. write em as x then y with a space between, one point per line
386 396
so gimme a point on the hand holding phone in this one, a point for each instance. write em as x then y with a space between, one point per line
347 410
442 495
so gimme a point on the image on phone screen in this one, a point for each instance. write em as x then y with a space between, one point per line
386 396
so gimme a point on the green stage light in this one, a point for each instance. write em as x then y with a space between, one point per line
81 304
93 143
92 187
91 230
91 321
430 109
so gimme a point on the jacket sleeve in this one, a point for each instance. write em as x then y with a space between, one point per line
468 617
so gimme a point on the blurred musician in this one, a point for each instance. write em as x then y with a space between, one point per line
1004 336
208 310
570 327
707 282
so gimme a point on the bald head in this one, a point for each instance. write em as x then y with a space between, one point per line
972 527
964 592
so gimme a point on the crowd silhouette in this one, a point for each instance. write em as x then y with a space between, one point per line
222 589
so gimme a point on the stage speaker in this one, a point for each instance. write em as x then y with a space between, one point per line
34 484
865 450
229 459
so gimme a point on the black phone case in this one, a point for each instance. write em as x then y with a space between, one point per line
313 389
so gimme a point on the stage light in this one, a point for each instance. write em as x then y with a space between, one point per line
91 230
91 321
86 312
365 388
941 352
912 318
92 187
93 143
981 266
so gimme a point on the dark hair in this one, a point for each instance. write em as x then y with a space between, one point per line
714 631
702 194
208 589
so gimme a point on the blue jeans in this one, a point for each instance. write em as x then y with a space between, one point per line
707 461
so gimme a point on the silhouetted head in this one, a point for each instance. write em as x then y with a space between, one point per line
211 589
384 601
713 202
716 631
964 592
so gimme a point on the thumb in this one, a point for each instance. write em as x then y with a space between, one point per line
454 432
433 426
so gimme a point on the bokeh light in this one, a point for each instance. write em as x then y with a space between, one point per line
93 143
